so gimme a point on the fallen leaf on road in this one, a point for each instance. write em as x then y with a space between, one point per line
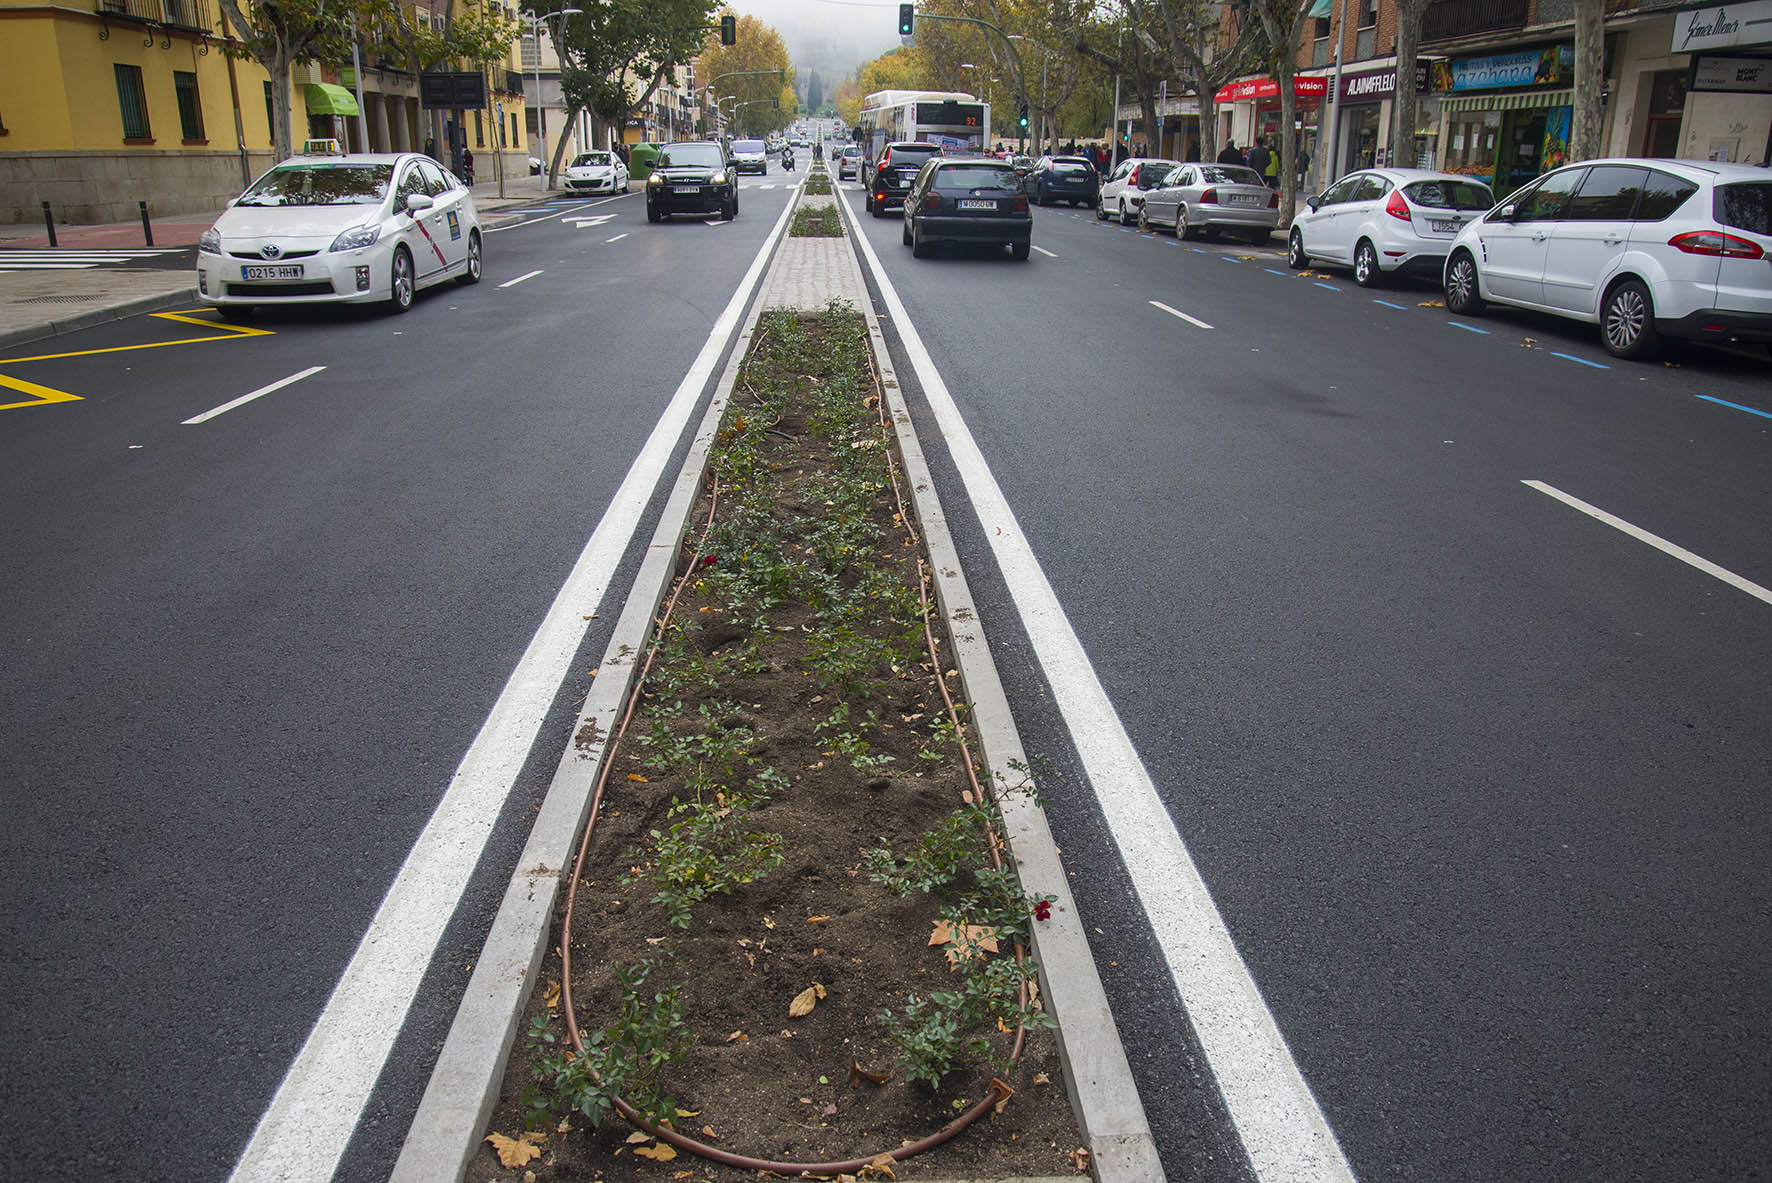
805 1000
514 1152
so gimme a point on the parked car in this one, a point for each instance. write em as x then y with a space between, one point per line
750 156
1024 166
893 172
596 172
1063 178
848 163
1646 249
355 228
1195 198
1123 191
1381 220
691 177
967 201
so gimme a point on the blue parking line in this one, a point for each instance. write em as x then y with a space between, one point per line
1459 324
1733 406
1228 259
1198 250
1271 271
1582 360
1388 304
1321 284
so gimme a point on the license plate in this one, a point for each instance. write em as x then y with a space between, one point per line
287 271
687 189
1445 227
966 204
1240 200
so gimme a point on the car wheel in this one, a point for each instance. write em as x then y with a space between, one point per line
1366 270
1183 228
1144 219
907 232
1019 251
403 286
1100 210
1627 318
472 274
652 214
1295 256
919 250
1125 213
867 202
731 210
1463 293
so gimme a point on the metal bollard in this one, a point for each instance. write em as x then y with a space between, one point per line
147 230
49 223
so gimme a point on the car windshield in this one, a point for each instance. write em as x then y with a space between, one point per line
912 153
747 146
1746 206
591 160
1450 195
1071 164
316 183
973 177
1222 174
690 156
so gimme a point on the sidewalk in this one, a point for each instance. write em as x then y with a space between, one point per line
38 304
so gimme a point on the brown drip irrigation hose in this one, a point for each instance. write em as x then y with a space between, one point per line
998 1093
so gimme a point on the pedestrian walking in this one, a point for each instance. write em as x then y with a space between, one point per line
1260 157
1230 154
1304 164
1271 170
467 165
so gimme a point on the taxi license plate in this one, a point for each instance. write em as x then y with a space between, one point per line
1445 227
287 271
687 189
978 205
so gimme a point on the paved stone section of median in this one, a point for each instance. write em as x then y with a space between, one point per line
809 273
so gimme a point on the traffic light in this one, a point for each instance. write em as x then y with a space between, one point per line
906 15
728 30
1024 117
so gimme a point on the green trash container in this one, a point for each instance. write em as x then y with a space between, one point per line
640 158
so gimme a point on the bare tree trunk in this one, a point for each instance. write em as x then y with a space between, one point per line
1402 149
282 135
1590 80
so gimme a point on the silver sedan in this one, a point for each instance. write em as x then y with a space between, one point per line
1210 198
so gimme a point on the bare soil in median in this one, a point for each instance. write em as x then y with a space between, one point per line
790 699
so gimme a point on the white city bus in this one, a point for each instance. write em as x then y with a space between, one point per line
948 118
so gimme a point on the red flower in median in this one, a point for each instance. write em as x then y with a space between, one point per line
1043 910
707 560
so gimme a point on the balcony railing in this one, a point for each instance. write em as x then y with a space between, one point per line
178 14
1461 18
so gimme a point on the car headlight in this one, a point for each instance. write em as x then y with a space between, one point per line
209 242
356 237
654 179
720 177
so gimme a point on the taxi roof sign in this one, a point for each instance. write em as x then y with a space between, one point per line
326 147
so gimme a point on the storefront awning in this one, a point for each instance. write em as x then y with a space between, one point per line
1305 87
1517 101
326 99
1321 8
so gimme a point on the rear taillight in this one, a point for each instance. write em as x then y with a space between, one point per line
1019 205
932 201
1397 208
1132 177
1273 201
1716 243
1210 197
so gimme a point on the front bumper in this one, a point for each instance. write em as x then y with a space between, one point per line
667 199
329 277
593 185
760 167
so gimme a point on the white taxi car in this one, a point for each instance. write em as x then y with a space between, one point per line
596 172
340 228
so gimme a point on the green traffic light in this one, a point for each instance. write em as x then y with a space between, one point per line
906 17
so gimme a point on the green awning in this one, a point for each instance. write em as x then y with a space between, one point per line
1517 101
1321 8
326 99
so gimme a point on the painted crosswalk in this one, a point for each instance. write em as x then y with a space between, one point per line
74 259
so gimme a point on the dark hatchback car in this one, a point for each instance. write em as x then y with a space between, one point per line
1063 178
893 173
693 177
967 201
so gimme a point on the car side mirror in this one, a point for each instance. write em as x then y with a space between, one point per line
418 201
1314 200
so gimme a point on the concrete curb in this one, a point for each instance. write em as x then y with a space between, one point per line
1097 1074
135 306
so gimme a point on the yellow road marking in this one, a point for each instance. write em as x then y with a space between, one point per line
44 394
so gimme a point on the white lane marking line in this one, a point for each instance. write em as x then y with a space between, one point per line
593 220
617 238
1046 252
1661 544
31 266
308 1124
1282 1129
511 283
206 416
1193 320
555 214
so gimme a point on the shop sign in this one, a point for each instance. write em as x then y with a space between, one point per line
1753 75
1720 26
1303 87
1550 66
1378 84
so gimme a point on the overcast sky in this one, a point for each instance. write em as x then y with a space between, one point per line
831 36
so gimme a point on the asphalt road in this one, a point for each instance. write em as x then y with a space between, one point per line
244 658
1477 782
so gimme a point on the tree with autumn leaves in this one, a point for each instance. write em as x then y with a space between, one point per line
757 102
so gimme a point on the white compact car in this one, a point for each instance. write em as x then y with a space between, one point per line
1646 249
1122 191
340 229
1382 220
596 172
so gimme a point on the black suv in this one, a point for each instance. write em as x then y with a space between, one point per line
891 176
692 177
963 201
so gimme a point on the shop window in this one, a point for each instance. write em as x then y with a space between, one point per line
479 130
190 106
1470 149
132 101
1609 194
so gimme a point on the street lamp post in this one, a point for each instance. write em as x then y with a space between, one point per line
541 111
